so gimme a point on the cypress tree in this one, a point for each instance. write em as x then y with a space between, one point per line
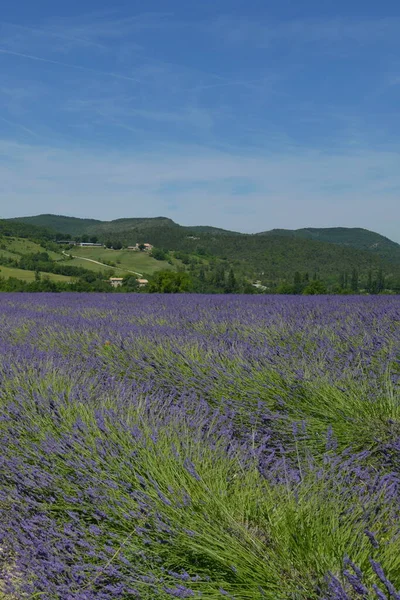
354 281
231 283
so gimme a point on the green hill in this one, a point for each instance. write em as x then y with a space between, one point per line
30 254
22 229
59 223
78 227
124 261
275 258
213 230
352 237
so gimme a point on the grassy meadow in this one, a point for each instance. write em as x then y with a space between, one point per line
18 246
185 446
129 260
25 275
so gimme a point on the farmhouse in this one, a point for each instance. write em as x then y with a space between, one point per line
136 248
116 281
142 282
90 244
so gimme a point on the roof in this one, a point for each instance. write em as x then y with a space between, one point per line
116 278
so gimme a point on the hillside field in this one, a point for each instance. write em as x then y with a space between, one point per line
18 246
25 275
194 446
129 260
282 260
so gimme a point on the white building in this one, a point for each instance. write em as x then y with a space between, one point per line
116 281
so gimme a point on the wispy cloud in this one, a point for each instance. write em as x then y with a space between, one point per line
264 32
64 36
108 27
237 126
97 32
283 190
68 65
19 126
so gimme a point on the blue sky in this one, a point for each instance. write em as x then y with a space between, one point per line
246 115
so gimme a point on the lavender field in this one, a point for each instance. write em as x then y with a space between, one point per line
199 447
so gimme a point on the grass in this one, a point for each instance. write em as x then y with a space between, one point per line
24 246
124 259
85 264
8 254
8 272
250 538
200 447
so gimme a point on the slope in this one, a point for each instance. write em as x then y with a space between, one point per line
59 223
353 237
273 256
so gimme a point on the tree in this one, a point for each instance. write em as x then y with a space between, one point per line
354 281
94 239
141 247
297 287
130 283
369 282
158 254
231 283
108 244
285 288
219 276
380 282
169 282
315 287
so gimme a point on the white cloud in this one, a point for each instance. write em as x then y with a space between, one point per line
199 186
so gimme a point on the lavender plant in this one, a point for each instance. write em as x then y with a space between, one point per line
205 447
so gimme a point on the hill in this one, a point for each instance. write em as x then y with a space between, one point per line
75 226
22 229
124 261
352 237
59 223
30 254
275 258
78 227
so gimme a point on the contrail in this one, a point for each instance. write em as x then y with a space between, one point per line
19 125
63 64
53 34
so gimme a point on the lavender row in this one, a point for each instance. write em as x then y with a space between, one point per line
194 446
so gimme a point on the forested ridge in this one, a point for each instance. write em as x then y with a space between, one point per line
333 260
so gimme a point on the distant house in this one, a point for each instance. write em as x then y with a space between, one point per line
90 244
147 247
259 285
142 282
116 281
